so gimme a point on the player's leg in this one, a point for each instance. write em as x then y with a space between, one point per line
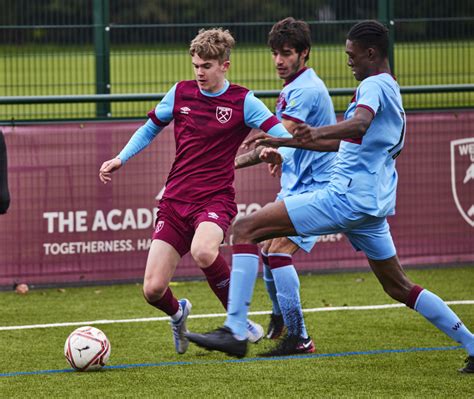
171 241
428 304
288 292
276 325
205 251
160 267
310 213
270 221
377 243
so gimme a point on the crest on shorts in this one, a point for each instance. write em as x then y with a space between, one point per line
223 114
159 226
462 177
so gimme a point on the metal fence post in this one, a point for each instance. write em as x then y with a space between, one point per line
386 16
102 54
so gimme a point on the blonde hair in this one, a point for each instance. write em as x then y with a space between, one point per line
212 44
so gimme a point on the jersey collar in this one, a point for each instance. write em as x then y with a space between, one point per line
222 91
295 76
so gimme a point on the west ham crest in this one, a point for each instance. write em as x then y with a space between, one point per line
462 177
223 114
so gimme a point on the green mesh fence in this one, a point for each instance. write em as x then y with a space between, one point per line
140 46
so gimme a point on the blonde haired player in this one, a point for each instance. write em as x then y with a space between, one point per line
211 118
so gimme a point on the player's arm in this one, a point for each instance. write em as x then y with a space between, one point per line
324 138
353 128
249 158
301 102
144 135
140 140
257 155
258 116
368 101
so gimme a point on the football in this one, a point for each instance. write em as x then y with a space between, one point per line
87 348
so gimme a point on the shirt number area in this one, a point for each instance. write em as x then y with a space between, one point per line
397 148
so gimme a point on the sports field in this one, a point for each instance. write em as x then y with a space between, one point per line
70 71
370 351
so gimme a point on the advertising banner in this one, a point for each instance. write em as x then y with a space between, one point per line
64 225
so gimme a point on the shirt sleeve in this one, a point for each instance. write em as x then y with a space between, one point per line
279 130
286 152
140 140
258 116
369 96
300 102
162 114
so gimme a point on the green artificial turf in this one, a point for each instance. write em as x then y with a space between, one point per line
199 373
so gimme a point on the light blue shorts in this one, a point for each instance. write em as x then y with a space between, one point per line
305 243
327 212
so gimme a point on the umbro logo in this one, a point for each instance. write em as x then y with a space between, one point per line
213 215
184 110
159 226
222 284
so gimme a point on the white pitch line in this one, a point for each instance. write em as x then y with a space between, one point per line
203 316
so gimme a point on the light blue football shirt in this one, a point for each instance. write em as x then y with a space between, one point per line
365 168
305 99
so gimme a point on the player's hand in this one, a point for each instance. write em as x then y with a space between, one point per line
107 168
274 160
251 140
274 169
271 156
305 134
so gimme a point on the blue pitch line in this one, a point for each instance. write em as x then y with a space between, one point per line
244 360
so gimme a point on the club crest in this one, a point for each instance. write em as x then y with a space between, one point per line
159 226
462 177
223 114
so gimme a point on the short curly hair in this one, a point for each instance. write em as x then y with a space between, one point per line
212 44
370 33
290 32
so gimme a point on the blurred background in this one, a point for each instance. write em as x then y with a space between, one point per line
80 47
78 77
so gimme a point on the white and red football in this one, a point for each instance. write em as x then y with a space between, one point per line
87 348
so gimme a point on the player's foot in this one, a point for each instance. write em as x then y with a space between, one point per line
276 326
179 329
254 331
291 345
221 340
469 367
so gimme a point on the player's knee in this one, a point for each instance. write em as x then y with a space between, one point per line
203 256
399 292
153 290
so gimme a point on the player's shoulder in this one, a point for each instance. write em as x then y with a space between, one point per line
186 85
235 88
382 79
307 83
